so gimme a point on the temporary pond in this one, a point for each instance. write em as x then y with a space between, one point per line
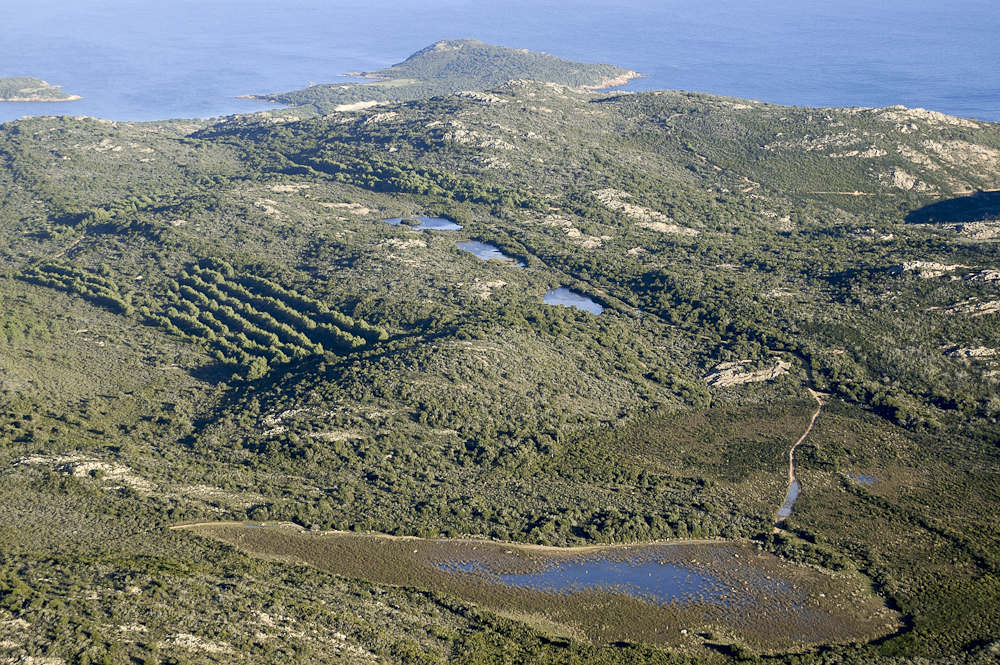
566 298
487 252
648 593
862 478
420 223
649 579
793 494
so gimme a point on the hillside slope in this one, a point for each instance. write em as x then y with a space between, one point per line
211 322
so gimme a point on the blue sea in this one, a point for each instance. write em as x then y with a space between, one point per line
156 59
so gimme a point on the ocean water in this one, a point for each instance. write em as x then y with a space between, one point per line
157 59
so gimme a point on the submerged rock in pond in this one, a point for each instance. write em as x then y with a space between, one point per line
420 223
566 298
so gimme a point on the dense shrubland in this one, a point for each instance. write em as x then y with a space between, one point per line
209 322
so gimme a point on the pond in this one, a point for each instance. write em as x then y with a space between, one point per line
642 577
419 223
657 593
487 252
566 298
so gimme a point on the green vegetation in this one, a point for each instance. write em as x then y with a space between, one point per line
25 89
210 322
447 67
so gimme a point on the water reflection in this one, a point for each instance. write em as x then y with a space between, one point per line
657 581
793 494
420 223
566 298
487 252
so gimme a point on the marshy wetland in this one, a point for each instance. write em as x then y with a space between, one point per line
693 595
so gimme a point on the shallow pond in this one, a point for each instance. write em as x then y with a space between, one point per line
487 252
862 478
420 223
648 579
566 298
793 494
653 593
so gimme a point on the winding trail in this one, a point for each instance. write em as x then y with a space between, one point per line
794 486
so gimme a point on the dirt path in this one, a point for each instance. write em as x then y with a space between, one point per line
75 243
792 478
791 453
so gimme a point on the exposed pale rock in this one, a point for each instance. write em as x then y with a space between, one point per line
972 307
902 114
732 373
978 352
647 218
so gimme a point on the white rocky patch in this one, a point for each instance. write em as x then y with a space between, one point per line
267 205
356 106
380 117
289 189
485 289
275 419
195 643
335 436
873 234
733 373
399 243
964 154
902 114
647 218
925 269
983 276
353 208
870 153
900 179
978 352
83 467
985 230
972 307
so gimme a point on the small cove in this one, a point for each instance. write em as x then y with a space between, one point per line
563 297
486 252
419 223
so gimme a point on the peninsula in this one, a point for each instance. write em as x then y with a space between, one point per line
26 89
447 67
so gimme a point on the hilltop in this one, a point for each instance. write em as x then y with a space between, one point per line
447 67
211 322
24 89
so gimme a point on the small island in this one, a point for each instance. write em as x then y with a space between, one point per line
26 89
